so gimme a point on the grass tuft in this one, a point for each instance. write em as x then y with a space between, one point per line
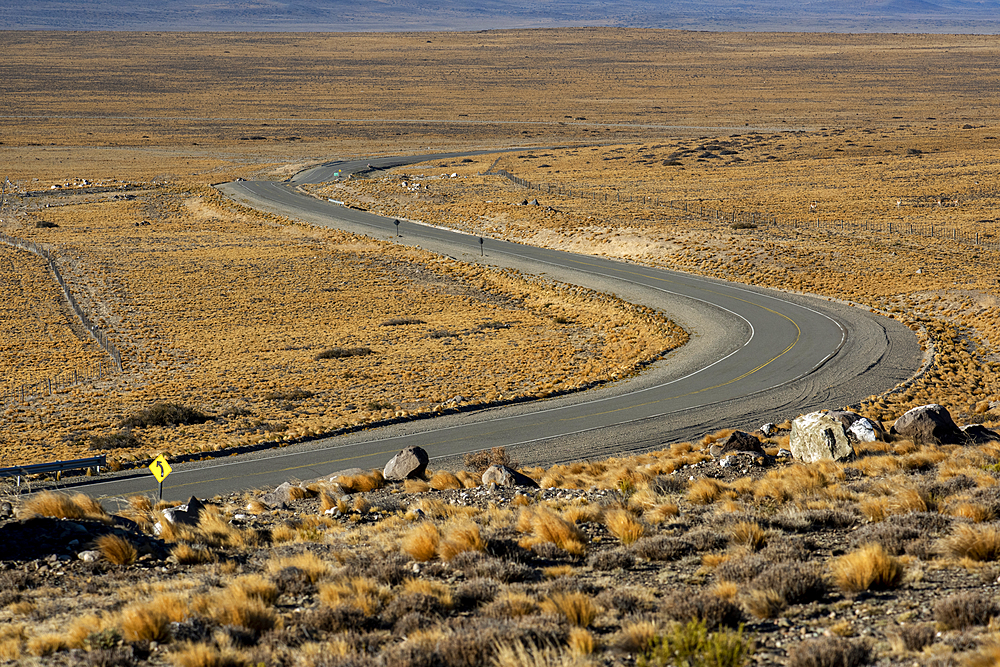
869 568
975 542
116 549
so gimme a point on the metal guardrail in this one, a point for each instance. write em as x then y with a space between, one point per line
97 462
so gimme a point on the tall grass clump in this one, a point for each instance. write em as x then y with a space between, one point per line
869 568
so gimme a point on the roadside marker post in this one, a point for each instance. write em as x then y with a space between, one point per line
160 469
482 252
397 228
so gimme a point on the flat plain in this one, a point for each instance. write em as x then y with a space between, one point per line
773 159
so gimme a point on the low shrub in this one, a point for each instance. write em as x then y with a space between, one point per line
965 610
915 637
123 439
165 414
402 321
343 353
295 394
710 610
830 652
497 456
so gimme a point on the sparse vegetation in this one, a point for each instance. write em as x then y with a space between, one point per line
343 352
165 414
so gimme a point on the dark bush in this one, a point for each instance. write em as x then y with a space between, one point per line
402 321
45 224
707 539
441 333
613 559
916 636
889 534
390 568
288 395
830 652
497 456
475 564
742 570
412 603
342 618
662 548
795 582
471 594
343 352
123 439
965 610
625 601
787 548
705 608
294 581
806 521
165 414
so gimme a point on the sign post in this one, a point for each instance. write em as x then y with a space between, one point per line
160 469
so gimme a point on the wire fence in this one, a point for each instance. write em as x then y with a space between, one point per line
752 219
66 378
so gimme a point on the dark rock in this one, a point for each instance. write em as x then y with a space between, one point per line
739 441
977 434
929 425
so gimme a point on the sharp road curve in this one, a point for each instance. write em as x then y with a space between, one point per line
754 356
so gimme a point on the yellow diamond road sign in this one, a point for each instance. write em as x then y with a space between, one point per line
160 468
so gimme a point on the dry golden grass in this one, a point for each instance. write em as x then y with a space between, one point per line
870 567
513 603
416 486
434 589
202 655
577 608
977 543
748 534
459 536
316 568
12 639
623 525
581 642
150 620
705 490
636 635
443 480
544 525
362 593
421 542
62 506
188 555
254 587
47 644
116 549
764 604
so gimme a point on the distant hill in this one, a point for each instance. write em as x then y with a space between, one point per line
926 16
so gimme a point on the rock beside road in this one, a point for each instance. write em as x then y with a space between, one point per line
929 425
819 437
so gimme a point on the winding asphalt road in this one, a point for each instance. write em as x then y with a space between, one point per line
754 356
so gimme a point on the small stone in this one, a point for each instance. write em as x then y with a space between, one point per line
89 556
